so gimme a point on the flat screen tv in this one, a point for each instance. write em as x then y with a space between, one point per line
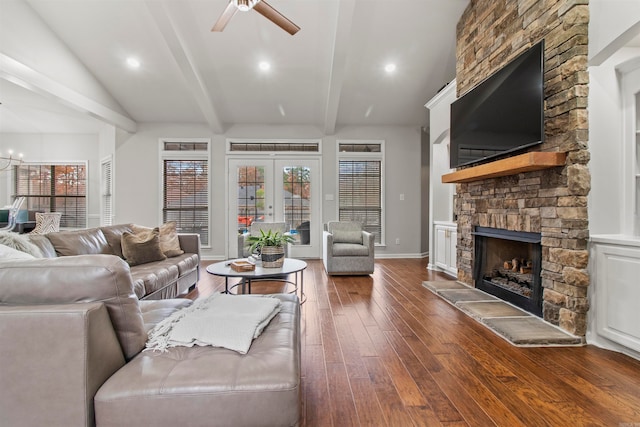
503 114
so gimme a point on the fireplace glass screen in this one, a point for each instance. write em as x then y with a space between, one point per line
507 265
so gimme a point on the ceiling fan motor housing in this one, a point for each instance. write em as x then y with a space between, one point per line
245 5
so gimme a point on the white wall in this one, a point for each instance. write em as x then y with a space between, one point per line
57 148
612 24
26 39
137 162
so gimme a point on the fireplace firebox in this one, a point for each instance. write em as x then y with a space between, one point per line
507 264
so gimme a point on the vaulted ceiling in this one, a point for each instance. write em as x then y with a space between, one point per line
330 74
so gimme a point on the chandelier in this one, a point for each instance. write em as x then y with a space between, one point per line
8 160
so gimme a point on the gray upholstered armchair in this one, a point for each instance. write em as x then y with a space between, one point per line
347 249
243 245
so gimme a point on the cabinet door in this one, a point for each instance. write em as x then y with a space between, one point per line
441 247
617 293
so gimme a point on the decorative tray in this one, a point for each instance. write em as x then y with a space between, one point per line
242 265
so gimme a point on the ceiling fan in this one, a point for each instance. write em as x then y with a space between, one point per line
260 6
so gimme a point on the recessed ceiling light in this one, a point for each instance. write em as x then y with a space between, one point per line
390 68
133 62
264 66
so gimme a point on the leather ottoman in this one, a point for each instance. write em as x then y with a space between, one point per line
206 386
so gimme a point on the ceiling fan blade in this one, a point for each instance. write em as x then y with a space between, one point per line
264 9
225 17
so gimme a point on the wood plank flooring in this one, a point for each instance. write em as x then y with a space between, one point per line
381 350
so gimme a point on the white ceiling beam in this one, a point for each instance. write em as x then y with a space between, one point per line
29 78
341 44
183 57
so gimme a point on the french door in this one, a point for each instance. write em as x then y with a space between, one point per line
276 190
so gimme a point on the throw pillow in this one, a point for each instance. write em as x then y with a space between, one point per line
113 234
20 243
7 252
48 222
141 248
168 234
347 236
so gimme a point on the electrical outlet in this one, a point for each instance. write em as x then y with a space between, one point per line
397 241
402 196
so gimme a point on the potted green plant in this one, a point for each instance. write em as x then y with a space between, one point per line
270 245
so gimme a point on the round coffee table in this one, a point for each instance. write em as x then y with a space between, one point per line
290 266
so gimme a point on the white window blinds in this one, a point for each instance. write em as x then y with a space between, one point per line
106 180
360 194
186 196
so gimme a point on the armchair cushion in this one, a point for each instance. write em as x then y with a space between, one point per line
350 249
347 236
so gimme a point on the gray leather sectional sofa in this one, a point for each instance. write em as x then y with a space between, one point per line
72 334
163 279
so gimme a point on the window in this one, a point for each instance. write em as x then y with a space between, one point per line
360 184
55 188
185 190
106 181
274 146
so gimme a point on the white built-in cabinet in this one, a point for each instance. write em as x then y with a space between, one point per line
617 289
445 247
443 231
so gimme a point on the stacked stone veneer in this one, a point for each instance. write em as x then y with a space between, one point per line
553 201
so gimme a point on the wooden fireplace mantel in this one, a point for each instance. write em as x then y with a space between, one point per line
526 162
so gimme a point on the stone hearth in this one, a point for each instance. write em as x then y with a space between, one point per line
513 324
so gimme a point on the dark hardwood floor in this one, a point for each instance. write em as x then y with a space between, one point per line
381 350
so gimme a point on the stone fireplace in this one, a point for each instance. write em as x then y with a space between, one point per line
552 203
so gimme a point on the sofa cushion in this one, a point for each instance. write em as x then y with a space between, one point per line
82 278
44 244
113 234
141 248
207 385
155 275
80 242
138 286
186 263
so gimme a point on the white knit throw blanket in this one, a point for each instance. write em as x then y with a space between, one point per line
221 320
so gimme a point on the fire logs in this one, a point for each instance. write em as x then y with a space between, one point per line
519 265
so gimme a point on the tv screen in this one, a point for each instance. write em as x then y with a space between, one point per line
503 114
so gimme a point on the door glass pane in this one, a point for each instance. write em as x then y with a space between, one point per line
250 196
296 181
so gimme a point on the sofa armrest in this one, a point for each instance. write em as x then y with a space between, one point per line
190 243
58 356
